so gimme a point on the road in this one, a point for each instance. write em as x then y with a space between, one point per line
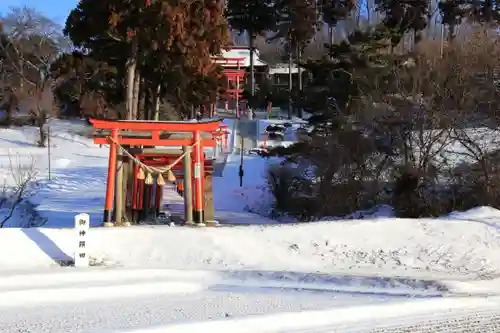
245 130
122 300
115 300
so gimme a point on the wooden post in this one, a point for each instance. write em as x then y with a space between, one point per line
126 189
140 204
119 190
209 201
135 187
82 224
188 187
108 205
217 147
158 199
129 184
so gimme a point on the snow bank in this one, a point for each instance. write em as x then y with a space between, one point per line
478 213
405 247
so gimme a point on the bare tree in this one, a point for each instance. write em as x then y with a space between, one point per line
477 133
33 43
12 195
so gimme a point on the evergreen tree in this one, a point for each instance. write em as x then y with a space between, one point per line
87 87
454 12
334 11
338 147
403 16
338 83
256 17
487 11
297 23
170 33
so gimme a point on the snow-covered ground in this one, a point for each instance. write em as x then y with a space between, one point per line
371 275
430 248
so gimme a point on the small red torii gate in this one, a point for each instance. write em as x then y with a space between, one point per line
192 136
235 74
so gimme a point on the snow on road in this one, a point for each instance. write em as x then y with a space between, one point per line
85 301
429 316
118 300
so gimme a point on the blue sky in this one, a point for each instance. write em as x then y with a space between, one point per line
57 10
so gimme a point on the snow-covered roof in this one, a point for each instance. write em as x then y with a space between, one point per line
243 53
282 69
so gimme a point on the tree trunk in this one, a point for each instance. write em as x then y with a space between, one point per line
251 40
135 96
41 120
21 74
131 66
299 69
301 85
488 11
451 32
143 110
148 105
290 82
156 103
368 12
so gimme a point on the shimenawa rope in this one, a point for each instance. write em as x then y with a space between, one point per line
148 179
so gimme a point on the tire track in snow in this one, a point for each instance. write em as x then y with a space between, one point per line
471 321
118 299
115 315
467 315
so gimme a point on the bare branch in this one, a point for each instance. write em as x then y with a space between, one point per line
23 175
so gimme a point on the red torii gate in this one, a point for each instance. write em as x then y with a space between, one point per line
189 135
235 75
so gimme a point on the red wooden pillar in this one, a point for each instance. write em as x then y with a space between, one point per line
197 179
158 198
180 187
148 202
202 172
135 189
110 189
141 195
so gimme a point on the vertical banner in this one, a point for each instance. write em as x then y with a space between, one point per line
82 224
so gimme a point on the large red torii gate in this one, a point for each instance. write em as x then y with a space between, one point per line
193 136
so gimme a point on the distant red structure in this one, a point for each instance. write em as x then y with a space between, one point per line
235 74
